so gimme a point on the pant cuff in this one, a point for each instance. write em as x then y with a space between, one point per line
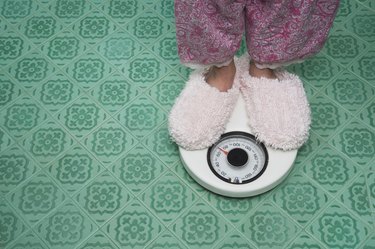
205 66
277 65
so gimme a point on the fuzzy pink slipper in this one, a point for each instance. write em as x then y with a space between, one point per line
201 112
278 110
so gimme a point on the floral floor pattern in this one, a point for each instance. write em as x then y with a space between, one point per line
85 156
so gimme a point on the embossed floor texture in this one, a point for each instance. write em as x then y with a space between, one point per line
85 158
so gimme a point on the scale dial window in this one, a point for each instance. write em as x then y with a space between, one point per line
237 158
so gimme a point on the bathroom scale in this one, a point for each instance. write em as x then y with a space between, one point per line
238 165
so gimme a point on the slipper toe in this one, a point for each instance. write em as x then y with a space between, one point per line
200 113
278 110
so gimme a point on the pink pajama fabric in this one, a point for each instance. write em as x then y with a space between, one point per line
277 31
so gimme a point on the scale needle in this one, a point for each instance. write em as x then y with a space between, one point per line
224 151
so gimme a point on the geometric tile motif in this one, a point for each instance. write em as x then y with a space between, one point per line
166 48
88 70
300 198
63 48
94 27
66 227
134 227
346 9
8 225
316 71
184 71
138 168
200 227
369 4
5 140
122 10
74 169
233 209
36 198
362 24
56 92
145 70
306 242
67 11
22 116
11 47
141 116
166 91
148 27
312 145
109 141
159 142
168 197
40 27
120 47
343 47
234 241
103 197
8 90
47 143
16 9
370 179
330 170
364 66
180 170
82 116
98 241
30 70
15 167
350 91
114 93
370 244
166 9
29 241
336 228
326 116
356 197
368 114
11 226
166 240
357 142
269 228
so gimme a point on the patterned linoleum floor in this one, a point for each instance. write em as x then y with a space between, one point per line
85 158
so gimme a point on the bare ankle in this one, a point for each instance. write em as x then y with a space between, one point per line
221 77
258 73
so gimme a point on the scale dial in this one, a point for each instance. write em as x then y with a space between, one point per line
237 158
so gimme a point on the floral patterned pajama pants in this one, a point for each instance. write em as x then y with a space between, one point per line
277 31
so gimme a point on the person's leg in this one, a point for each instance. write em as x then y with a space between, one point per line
208 34
279 32
283 31
221 77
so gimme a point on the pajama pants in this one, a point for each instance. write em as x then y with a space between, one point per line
278 32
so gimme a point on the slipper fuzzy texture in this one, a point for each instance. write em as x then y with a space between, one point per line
201 112
278 110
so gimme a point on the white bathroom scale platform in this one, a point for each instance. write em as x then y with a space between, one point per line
238 165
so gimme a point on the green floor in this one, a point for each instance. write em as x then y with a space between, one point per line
85 157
